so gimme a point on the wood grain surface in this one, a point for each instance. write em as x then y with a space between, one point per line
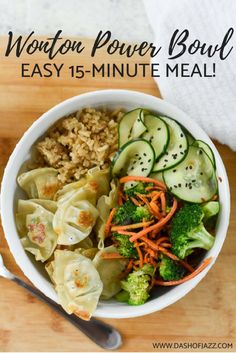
207 314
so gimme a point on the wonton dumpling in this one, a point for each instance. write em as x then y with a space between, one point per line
74 220
78 284
40 183
110 272
34 223
104 205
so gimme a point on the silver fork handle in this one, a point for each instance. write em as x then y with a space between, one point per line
99 332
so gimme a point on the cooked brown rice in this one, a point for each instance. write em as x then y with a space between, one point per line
83 140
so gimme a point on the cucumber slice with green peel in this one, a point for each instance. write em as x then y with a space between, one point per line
157 134
189 136
194 179
177 148
131 126
136 158
207 149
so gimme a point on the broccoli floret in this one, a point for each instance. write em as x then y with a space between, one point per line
210 210
125 213
188 231
139 188
137 284
129 213
171 270
125 247
141 213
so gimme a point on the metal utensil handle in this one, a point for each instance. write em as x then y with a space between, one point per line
99 332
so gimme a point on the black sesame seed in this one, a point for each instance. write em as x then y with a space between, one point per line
200 151
171 188
149 160
136 155
174 170
181 152
132 168
159 129
186 184
186 168
180 146
165 160
175 186
131 184
164 165
201 173
181 135
167 153
143 169
138 119
141 163
194 180
190 167
140 158
144 154
190 187
179 185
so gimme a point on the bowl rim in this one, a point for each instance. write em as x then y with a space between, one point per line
7 198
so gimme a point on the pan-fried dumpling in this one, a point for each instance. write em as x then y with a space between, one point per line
96 182
34 223
40 183
28 206
110 271
104 205
78 284
74 220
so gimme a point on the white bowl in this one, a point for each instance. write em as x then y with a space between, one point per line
10 193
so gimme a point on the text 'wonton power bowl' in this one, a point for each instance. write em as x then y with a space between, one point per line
115 204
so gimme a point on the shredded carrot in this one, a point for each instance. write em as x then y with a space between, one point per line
186 265
131 226
155 210
112 255
167 253
108 224
125 232
140 255
161 240
166 245
143 179
144 199
149 188
163 203
158 225
156 196
135 202
204 264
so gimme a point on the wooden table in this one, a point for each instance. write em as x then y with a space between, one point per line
207 314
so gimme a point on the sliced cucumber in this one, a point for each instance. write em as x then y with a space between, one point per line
189 136
207 149
177 148
157 133
193 179
158 176
136 157
131 126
